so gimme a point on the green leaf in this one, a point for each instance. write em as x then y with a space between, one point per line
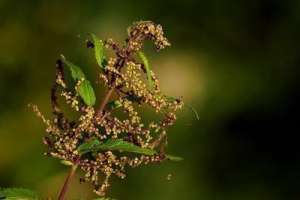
173 158
103 198
76 72
2 196
85 89
86 92
99 50
194 111
17 194
147 67
114 144
114 104
66 162
121 145
88 146
104 62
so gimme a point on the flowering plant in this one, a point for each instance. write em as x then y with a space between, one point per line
100 142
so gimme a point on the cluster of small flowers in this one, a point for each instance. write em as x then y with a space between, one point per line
126 77
141 31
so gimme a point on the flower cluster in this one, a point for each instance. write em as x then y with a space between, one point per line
131 85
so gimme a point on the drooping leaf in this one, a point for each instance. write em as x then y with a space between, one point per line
85 89
114 144
86 92
76 72
99 50
17 194
88 146
173 158
114 104
147 67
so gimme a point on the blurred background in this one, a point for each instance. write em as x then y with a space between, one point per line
236 62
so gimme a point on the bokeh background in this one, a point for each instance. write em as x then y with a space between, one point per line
237 62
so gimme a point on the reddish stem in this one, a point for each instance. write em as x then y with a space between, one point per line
104 102
64 189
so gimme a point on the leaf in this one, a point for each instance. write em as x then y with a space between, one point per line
103 198
86 92
99 50
147 68
121 145
88 146
66 162
114 104
85 89
173 158
115 144
17 194
2 196
76 72
104 62
194 111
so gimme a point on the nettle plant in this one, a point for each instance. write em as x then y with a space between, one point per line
100 141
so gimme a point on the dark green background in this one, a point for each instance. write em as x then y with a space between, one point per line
237 62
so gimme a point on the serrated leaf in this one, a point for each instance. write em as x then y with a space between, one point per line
114 144
76 72
147 67
114 104
99 50
88 146
86 92
173 158
18 194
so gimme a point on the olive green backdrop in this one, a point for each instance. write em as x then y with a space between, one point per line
237 62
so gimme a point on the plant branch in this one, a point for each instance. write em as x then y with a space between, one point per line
67 181
104 102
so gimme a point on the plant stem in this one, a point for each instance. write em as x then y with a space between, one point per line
104 102
67 181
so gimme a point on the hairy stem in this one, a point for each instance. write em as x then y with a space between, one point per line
68 180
